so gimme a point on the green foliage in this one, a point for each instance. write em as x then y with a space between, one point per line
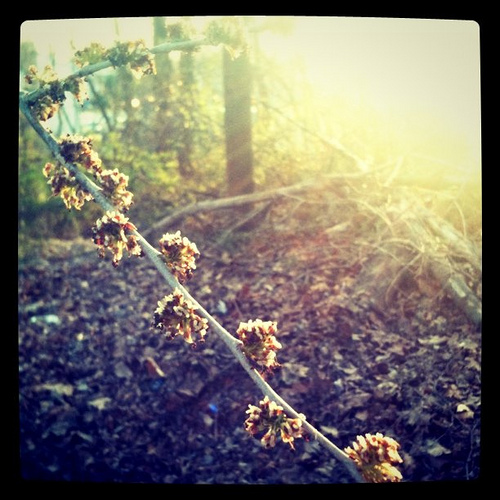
183 30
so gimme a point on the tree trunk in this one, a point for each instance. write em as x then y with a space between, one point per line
185 143
238 125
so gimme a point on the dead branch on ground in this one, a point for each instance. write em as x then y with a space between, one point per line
259 197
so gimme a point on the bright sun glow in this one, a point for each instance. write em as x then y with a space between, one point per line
420 78
421 74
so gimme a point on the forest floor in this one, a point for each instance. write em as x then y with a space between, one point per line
94 408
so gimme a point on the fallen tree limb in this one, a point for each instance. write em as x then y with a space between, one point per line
423 251
457 289
441 267
458 244
245 199
223 203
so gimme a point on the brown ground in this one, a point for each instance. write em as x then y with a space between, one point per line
90 410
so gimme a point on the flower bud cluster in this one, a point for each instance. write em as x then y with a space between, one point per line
114 185
47 105
179 254
112 232
76 149
63 183
229 32
77 87
270 418
175 315
134 53
259 343
375 456
92 54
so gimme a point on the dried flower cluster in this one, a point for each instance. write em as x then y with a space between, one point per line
179 254
46 106
175 315
112 232
63 183
92 54
134 53
270 418
78 150
78 87
259 343
229 32
375 456
114 185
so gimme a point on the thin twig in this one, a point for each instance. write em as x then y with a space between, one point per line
90 69
53 146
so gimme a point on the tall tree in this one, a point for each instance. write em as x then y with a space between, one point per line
178 103
185 112
238 124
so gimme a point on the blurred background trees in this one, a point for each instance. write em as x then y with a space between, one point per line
211 124
182 135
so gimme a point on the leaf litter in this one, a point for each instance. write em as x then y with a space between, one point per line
104 398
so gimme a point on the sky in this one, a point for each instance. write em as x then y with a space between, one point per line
408 66
429 67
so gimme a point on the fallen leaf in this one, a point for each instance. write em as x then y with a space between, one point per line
122 370
58 428
208 420
454 392
433 340
357 400
473 364
186 391
49 319
386 390
61 389
85 437
290 372
333 431
436 449
361 415
464 411
349 370
100 403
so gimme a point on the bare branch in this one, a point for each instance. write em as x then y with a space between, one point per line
155 257
32 97
53 146
234 346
